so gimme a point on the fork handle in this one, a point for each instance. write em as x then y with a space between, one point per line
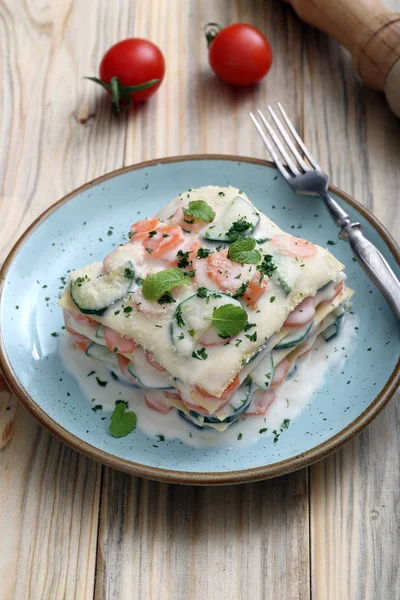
374 264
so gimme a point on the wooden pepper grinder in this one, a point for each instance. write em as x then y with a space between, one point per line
369 31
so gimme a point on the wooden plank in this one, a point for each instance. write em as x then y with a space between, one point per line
49 498
164 541
49 494
355 523
168 541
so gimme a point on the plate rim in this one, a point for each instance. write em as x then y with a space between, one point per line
188 477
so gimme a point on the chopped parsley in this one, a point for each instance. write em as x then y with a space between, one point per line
54 334
152 233
241 290
166 298
129 273
204 252
128 310
191 332
101 383
238 229
91 373
202 292
178 317
149 250
272 299
331 243
252 337
200 354
239 437
183 259
267 267
249 326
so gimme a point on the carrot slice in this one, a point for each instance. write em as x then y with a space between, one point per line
227 392
287 244
141 229
260 403
80 341
280 372
157 401
302 314
338 289
151 359
117 343
167 238
229 276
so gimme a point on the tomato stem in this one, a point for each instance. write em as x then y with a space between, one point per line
211 31
121 92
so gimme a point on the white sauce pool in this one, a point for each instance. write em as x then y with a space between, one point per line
291 398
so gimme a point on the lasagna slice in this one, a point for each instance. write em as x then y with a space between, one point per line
207 307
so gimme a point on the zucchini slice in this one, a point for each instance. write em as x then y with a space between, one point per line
237 405
93 291
333 330
103 354
192 319
263 373
146 374
224 229
100 332
292 339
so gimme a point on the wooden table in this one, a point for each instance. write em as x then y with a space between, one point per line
72 529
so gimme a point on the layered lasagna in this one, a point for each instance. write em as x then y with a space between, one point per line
207 307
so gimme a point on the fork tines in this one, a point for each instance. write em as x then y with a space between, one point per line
295 163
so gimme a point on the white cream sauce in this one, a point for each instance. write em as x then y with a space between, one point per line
291 398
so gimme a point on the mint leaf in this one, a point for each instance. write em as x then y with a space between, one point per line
229 320
156 284
199 209
242 251
122 423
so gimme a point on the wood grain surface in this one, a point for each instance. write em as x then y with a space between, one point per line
71 529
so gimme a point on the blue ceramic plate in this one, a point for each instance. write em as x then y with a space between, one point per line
75 231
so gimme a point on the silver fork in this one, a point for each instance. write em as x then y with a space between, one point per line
306 177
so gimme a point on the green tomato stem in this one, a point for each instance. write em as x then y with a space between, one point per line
211 31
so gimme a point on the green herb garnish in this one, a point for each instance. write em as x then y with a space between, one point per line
156 284
129 273
101 383
200 354
166 298
252 337
242 251
202 292
178 316
238 229
204 252
229 320
199 209
267 267
122 422
241 290
183 259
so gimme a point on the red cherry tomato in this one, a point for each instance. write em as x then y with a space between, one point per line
131 71
238 54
